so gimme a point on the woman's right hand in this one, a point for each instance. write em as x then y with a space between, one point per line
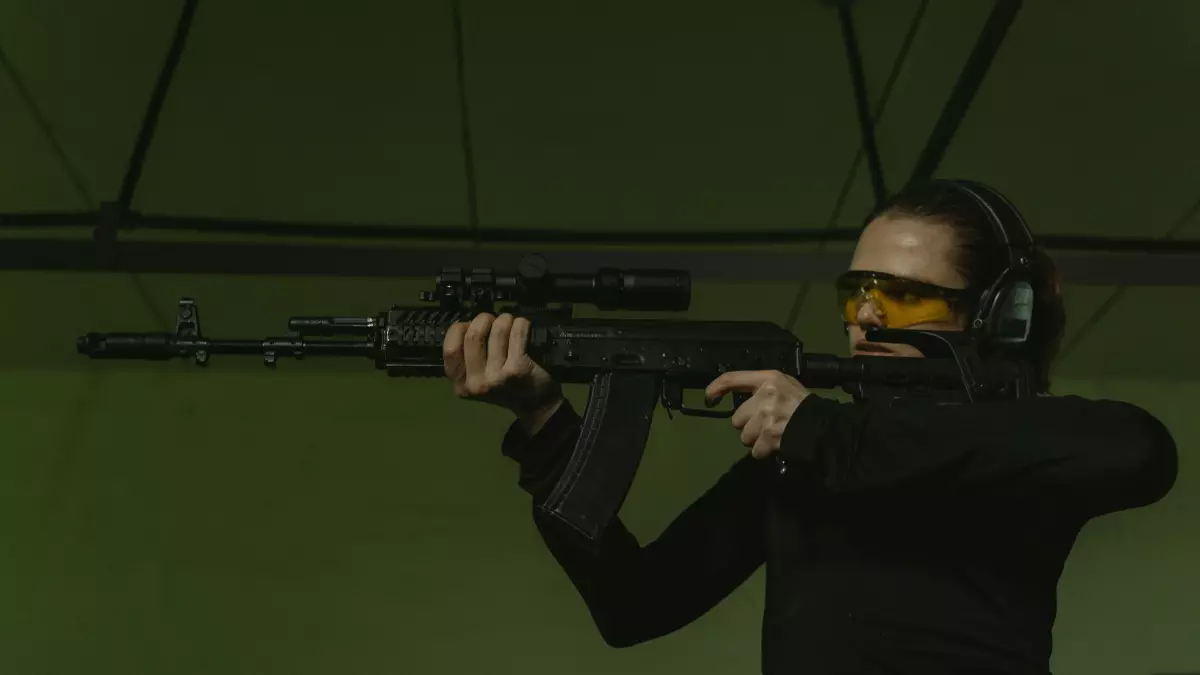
486 361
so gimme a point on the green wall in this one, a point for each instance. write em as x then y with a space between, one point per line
323 519
162 519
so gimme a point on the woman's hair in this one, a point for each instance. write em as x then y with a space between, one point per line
981 258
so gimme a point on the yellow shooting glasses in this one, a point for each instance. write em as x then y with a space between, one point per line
900 302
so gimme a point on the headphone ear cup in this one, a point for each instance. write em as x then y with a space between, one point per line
1012 313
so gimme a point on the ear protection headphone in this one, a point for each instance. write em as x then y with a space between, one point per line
1005 311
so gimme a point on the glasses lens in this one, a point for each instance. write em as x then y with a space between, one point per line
897 302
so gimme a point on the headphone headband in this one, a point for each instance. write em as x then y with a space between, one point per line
1005 310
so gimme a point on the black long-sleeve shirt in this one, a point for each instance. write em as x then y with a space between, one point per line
905 538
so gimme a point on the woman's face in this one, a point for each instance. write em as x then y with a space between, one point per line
908 248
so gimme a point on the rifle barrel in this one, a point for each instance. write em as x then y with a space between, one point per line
163 346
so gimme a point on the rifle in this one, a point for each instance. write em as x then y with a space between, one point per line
629 363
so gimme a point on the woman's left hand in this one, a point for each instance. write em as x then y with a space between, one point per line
764 415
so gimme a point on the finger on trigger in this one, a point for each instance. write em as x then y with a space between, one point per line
746 381
715 389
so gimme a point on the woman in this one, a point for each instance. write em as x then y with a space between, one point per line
902 538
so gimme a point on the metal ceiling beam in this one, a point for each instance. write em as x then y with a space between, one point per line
1004 12
47 131
1135 268
451 234
137 159
866 124
464 116
46 219
1118 293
